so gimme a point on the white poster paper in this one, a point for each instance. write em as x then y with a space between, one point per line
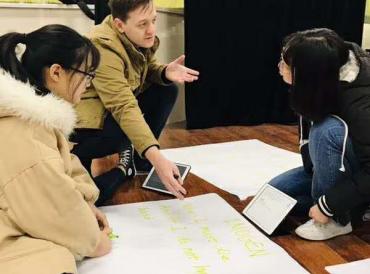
357 267
200 235
240 168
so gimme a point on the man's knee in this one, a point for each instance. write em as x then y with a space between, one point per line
171 88
170 92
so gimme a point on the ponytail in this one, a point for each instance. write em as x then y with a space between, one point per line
8 58
51 44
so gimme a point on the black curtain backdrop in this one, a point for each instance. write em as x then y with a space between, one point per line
101 10
235 44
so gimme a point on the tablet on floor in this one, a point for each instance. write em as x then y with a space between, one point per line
153 181
269 208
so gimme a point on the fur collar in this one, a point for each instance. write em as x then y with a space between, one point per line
350 70
20 100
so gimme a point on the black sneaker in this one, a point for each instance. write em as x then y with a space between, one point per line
126 161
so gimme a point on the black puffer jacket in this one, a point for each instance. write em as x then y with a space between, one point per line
354 109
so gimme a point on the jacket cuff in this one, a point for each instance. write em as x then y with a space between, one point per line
164 78
156 75
324 208
142 155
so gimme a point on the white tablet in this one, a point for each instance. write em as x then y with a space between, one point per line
269 208
153 181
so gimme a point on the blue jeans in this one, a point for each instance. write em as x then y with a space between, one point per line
325 148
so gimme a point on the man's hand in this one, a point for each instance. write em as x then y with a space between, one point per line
317 215
170 176
177 72
167 172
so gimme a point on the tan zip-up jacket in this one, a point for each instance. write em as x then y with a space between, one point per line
123 73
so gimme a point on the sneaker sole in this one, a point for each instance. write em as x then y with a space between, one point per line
138 172
323 239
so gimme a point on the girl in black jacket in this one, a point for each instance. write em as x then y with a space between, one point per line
330 90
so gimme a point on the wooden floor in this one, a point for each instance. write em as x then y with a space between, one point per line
314 256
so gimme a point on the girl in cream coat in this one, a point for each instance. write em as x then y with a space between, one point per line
47 215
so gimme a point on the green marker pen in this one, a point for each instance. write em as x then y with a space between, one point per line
113 236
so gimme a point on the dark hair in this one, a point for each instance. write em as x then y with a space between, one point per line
315 57
121 8
51 44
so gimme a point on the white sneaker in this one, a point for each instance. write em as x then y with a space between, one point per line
366 216
314 231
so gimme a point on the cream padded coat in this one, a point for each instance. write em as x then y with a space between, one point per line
46 223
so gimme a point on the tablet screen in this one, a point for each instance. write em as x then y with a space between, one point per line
269 208
153 181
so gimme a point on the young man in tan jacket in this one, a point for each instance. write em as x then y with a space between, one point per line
130 98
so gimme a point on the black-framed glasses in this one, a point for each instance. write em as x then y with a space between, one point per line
89 76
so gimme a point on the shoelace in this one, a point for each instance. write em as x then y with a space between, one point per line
317 224
125 157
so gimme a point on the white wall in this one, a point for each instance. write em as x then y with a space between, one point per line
28 17
366 37
171 34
